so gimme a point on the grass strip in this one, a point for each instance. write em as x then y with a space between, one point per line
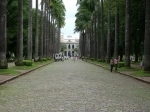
12 71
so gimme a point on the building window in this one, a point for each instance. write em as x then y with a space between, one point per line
73 53
72 46
69 46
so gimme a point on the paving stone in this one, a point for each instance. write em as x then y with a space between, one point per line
74 87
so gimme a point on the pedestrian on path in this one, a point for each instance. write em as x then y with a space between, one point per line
141 64
111 64
74 58
115 63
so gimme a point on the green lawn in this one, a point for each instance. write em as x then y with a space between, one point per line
13 70
141 73
128 69
9 71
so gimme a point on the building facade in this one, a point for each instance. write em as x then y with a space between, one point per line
72 46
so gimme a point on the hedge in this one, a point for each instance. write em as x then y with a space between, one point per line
121 64
44 59
27 62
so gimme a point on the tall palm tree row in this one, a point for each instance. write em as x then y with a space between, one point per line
119 32
52 19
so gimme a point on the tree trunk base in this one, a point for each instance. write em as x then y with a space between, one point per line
19 63
3 64
36 59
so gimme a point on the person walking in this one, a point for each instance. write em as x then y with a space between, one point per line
115 63
74 58
141 64
111 64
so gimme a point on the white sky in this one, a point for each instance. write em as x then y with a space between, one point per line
71 8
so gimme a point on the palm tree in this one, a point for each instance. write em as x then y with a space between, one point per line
41 35
116 32
127 34
36 35
3 60
102 31
58 11
109 34
147 38
82 23
45 33
19 61
98 30
29 46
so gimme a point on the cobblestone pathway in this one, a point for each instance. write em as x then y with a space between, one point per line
74 87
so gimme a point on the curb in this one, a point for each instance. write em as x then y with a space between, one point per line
15 77
134 77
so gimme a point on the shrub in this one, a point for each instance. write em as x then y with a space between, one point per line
98 60
92 59
27 62
121 64
49 58
44 59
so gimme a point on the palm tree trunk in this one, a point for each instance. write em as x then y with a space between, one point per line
3 60
19 61
51 34
29 46
95 37
98 31
41 37
36 35
59 34
109 35
44 39
116 33
47 17
48 32
127 34
147 38
102 32
92 39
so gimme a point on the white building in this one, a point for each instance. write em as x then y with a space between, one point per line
71 44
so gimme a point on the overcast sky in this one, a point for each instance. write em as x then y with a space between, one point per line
71 8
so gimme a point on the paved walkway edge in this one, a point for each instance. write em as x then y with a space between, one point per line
12 78
134 77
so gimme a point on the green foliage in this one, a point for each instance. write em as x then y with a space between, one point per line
141 73
12 23
63 47
27 62
76 49
44 59
49 58
9 71
98 60
121 64
92 59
